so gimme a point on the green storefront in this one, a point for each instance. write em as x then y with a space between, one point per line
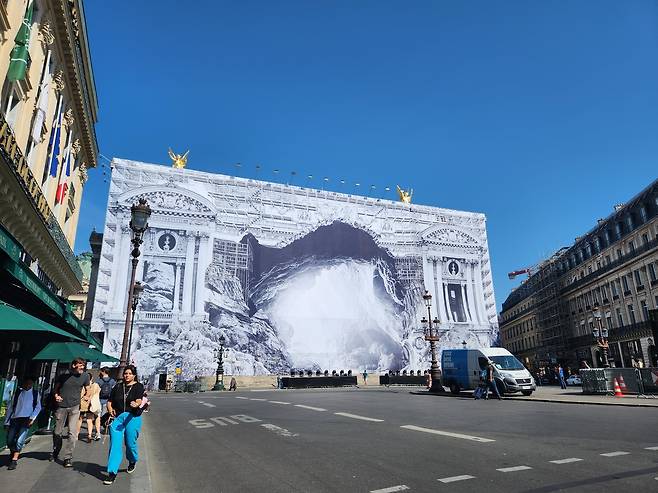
34 319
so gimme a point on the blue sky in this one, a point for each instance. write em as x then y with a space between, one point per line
542 115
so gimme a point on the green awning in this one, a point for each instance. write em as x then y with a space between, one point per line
67 351
12 319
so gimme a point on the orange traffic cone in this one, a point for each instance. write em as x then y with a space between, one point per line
622 385
617 389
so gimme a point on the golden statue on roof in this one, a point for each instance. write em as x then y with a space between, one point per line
404 195
179 161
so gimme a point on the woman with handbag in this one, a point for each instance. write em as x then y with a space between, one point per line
124 407
90 410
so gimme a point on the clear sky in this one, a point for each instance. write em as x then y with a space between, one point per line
541 114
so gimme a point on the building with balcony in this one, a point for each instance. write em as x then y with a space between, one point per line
48 110
607 279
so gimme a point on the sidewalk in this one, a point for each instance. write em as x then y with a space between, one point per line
574 395
36 475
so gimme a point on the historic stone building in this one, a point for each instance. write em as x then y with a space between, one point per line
246 259
607 279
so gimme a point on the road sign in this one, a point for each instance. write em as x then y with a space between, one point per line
178 371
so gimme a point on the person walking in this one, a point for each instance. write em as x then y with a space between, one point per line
491 383
106 384
68 393
233 385
125 408
365 377
563 382
90 410
24 409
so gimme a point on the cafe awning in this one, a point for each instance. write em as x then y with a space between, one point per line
13 319
67 351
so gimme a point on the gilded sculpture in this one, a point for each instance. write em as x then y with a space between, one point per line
404 195
179 161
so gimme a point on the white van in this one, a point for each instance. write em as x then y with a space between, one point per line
461 368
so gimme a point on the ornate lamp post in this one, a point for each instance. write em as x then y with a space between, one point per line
137 292
219 380
601 336
139 216
431 330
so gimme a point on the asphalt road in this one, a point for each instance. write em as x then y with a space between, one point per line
390 440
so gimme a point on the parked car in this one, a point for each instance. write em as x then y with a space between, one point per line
574 380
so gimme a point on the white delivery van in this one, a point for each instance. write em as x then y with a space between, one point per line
461 368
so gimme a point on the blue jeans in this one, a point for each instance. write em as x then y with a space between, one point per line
124 428
494 389
17 434
563 383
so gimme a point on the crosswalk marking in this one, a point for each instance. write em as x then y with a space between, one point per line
279 402
452 479
650 448
615 454
254 399
514 469
565 461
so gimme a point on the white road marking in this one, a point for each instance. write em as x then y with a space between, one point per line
252 399
244 418
279 402
447 434
456 478
221 421
207 404
514 469
240 397
565 461
200 423
615 454
310 407
392 489
356 416
650 448
279 431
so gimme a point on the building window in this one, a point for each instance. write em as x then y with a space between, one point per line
588 250
631 314
620 254
639 282
645 239
629 222
613 289
631 247
608 237
608 319
643 214
645 310
618 231
624 281
620 317
652 272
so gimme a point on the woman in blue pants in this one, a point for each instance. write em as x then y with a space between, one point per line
124 407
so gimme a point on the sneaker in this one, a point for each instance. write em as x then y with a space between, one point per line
110 479
97 438
52 457
67 463
12 465
131 467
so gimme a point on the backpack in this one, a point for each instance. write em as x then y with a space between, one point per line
35 399
106 389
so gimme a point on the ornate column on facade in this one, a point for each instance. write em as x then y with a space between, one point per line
466 298
189 271
438 288
204 259
473 297
122 261
177 276
480 293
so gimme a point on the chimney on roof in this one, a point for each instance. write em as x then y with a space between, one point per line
619 207
600 221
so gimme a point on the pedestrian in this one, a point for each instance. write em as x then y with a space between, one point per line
365 377
68 393
24 409
125 408
563 382
90 410
106 383
233 385
491 382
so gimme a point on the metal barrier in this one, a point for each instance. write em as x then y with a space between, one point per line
631 380
187 386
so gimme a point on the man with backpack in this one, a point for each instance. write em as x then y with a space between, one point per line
106 383
25 407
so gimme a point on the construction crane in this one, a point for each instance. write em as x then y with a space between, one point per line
527 270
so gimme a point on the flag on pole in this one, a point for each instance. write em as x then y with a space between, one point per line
20 55
42 103
55 137
63 186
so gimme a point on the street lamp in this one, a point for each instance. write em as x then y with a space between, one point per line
431 331
219 384
137 292
139 216
601 336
